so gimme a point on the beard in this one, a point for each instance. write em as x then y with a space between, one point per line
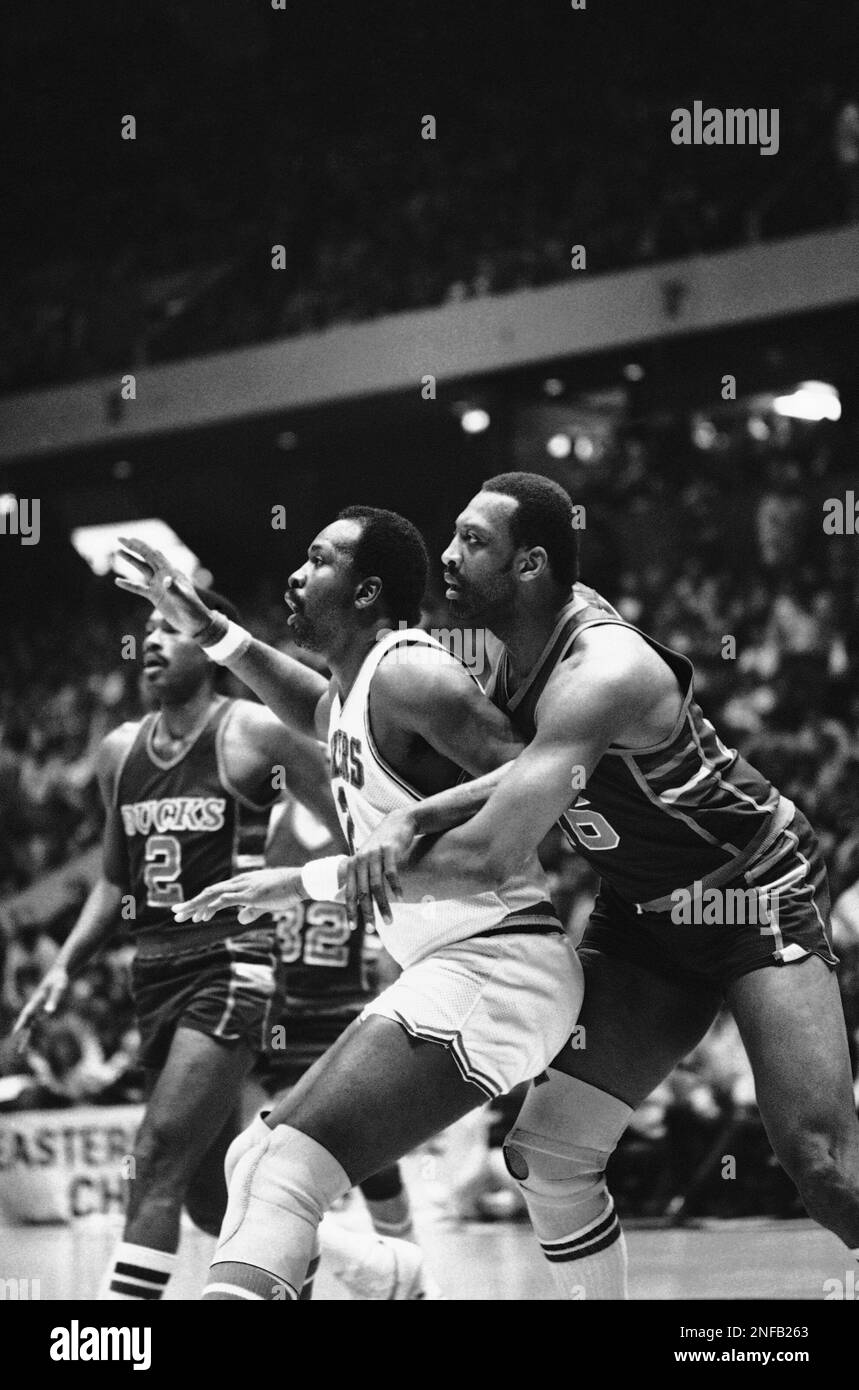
303 634
482 607
312 634
177 689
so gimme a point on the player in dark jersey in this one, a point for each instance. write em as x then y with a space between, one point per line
187 794
328 970
712 884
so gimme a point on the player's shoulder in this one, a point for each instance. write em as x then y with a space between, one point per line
116 744
112 752
412 673
613 650
248 715
252 728
610 667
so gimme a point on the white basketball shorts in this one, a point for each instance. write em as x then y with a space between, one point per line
504 1005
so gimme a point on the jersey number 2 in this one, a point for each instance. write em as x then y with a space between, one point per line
163 867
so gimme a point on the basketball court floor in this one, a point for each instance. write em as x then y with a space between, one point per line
757 1259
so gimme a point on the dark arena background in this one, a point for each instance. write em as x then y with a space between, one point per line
263 261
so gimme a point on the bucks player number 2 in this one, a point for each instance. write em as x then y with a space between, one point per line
163 867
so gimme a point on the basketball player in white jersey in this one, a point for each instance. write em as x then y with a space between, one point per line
490 987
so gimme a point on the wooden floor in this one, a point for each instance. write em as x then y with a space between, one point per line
473 1261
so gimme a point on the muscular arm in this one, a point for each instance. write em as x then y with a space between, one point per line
453 807
290 689
432 695
581 712
99 913
427 697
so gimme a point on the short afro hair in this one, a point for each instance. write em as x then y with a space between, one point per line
392 549
543 517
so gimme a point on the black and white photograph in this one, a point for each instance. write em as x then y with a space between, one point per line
429 675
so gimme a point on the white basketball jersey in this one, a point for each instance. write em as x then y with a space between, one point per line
366 789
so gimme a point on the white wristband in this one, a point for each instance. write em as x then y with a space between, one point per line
226 647
319 878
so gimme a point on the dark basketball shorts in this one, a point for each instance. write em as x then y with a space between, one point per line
779 915
302 1032
226 990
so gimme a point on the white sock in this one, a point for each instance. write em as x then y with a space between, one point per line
135 1274
590 1263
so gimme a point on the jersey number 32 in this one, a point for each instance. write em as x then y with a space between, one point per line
316 935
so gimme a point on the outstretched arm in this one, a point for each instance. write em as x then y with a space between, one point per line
581 713
475 858
289 688
426 694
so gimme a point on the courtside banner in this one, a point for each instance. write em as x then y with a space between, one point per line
60 1165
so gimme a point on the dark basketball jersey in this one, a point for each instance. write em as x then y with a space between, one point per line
185 826
652 820
324 962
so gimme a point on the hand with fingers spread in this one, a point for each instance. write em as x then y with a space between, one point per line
165 586
371 873
44 999
254 894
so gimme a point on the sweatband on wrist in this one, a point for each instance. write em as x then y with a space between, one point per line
319 878
227 646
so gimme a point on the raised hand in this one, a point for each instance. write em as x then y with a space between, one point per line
255 893
165 586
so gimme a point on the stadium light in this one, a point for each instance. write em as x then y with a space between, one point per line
758 428
99 545
559 446
475 420
812 400
704 433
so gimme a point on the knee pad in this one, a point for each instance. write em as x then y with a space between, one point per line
256 1133
280 1187
558 1150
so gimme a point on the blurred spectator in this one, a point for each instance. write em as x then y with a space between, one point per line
30 954
846 142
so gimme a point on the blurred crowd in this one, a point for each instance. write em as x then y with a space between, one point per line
784 689
372 222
